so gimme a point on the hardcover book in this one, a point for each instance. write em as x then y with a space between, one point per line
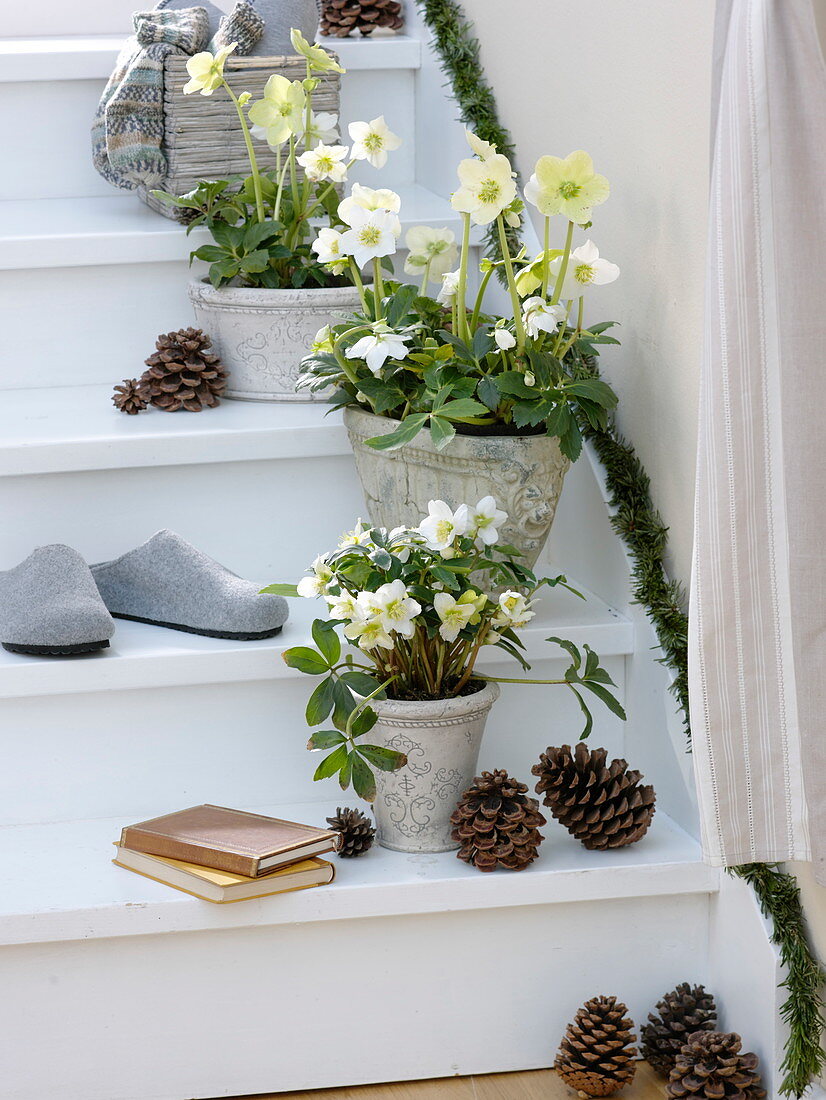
229 840
222 886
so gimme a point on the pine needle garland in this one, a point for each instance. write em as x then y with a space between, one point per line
458 49
641 528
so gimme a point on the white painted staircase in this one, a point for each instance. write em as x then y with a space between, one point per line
113 987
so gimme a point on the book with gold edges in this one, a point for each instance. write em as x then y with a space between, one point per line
224 886
229 840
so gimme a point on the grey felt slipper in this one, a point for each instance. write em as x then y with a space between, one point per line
50 605
167 582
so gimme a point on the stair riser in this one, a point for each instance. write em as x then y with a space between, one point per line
95 323
264 520
245 1011
132 754
61 167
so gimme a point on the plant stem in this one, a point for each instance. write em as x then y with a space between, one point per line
563 266
281 171
378 288
514 293
354 271
426 277
461 292
256 175
546 263
477 305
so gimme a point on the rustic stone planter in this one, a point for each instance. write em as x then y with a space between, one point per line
441 739
523 472
262 335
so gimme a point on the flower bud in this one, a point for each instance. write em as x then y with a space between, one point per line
244 98
530 378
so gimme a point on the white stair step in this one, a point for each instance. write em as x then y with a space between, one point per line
120 229
164 718
84 896
92 57
63 428
61 79
144 656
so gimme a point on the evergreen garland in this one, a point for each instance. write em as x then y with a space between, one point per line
638 523
458 50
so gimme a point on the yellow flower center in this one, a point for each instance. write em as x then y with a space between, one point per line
285 110
489 191
373 142
370 235
444 530
569 190
584 273
324 164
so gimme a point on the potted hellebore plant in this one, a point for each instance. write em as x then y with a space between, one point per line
409 706
270 287
443 399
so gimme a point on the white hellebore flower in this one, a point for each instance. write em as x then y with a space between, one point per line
431 250
487 188
375 349
359 536
585 269
343 607
323 128
373 140
373 235
317 582
325 162
482 149
368 198
327 246
454 614
485 521
540 316
505 339
450 288
206 72
323 341
393 607
368 633
441 525
281 111
514 611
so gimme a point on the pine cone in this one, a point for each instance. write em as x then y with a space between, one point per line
356 830
496 824
711 1066
182 374
129 397
679 1014
597 1054
602 806
340 17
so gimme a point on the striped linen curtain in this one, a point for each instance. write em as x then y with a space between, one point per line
757 637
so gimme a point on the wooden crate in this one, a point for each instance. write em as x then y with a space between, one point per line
203 138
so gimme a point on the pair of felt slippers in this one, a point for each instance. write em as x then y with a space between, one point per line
53 604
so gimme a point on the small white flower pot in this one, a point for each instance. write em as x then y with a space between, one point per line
262 335
441 739
523 472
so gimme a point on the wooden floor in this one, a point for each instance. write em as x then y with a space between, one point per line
535 1085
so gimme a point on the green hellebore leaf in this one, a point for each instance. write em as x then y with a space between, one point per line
327 640
363 779
325 739
320 702
306 660
385 759
331 764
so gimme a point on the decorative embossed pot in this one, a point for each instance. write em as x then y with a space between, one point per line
261 335
524 473
441 738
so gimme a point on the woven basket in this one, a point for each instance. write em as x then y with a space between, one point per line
203 138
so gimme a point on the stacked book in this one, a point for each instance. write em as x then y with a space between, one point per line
224 855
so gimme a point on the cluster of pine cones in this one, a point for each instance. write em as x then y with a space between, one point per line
181 374
341 17
597 1054
603 805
